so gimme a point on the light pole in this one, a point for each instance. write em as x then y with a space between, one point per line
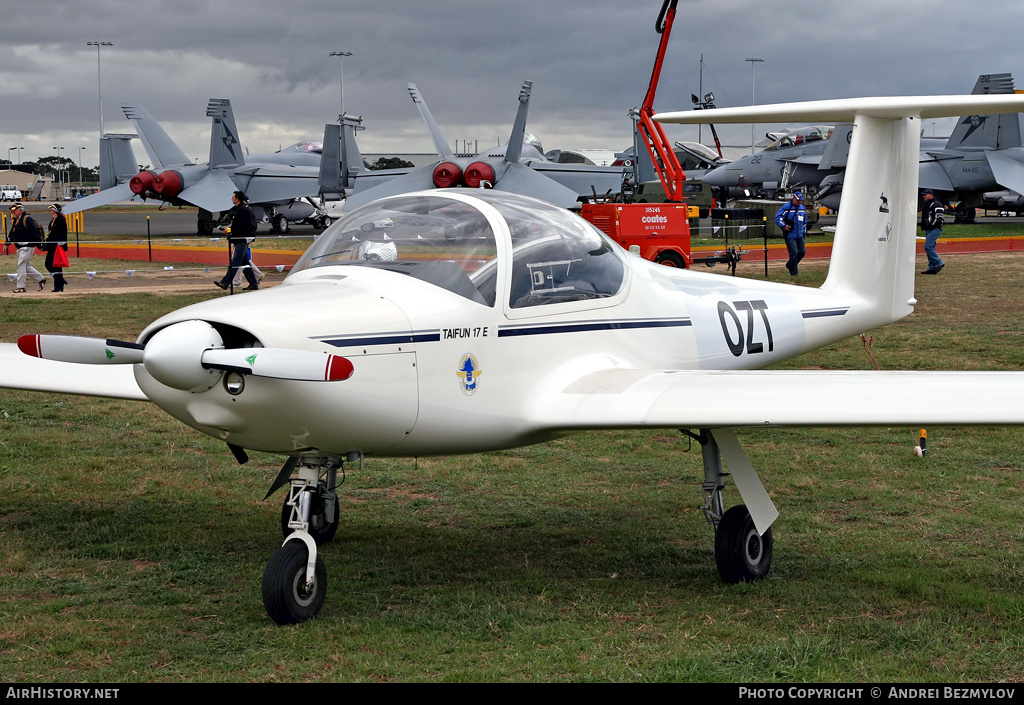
341 56
753 101
99 75
80 149
19 152
9 150
57 166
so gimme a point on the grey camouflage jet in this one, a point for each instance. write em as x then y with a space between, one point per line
518 166
277 185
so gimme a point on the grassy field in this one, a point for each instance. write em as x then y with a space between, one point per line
131 548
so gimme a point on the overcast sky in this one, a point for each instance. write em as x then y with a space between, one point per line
589 61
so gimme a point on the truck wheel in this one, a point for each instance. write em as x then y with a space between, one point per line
670 259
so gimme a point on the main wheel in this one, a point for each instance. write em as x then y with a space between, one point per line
670 259
280 224
285 596
319 528
741 553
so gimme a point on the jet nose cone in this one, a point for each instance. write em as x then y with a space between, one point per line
719 177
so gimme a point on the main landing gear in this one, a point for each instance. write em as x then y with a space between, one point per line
295 580
742 553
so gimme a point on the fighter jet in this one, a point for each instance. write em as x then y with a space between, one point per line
518 167
276 184
984 154
802 157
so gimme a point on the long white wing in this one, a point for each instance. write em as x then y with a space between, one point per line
716 399
20 371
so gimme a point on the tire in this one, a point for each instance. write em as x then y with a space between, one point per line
281 224
319 529
670 259
740 553
284 579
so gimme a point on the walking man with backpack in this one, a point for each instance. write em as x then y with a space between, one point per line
25 235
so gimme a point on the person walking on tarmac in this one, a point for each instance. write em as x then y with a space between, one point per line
931 223
243 231
56 239
25 236
792 220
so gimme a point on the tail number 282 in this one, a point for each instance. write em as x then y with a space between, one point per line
740 337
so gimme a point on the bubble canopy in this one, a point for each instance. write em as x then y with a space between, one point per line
556 257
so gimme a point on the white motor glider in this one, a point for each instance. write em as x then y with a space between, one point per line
461 321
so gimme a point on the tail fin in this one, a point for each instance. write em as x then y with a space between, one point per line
443 150
117 160
988 131
162 150
515 141
340 160
225 148
837 149
875 240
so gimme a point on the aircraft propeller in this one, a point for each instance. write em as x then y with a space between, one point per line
189 356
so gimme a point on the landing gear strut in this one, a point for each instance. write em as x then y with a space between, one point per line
295 579
742 554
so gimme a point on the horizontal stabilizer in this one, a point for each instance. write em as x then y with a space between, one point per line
212 192
416 180
528 182
845 110
121 192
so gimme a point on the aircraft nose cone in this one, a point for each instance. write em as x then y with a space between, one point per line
718 177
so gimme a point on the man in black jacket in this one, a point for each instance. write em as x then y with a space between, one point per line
24 235
243 231
931 223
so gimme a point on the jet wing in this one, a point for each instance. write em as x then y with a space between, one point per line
21 371
284 183
932 175
1008 171
121 192
623 398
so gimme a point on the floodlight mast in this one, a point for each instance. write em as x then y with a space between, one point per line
99 76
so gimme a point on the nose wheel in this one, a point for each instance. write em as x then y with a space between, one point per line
295 580
288 595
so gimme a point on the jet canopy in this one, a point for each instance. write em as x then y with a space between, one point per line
304 148
801 136
487 247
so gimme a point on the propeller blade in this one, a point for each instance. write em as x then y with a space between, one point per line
280 363
88 351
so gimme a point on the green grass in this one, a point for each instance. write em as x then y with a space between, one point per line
131 548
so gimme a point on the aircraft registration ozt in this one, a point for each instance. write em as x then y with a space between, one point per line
467 320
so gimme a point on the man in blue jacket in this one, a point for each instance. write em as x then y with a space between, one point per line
792 220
